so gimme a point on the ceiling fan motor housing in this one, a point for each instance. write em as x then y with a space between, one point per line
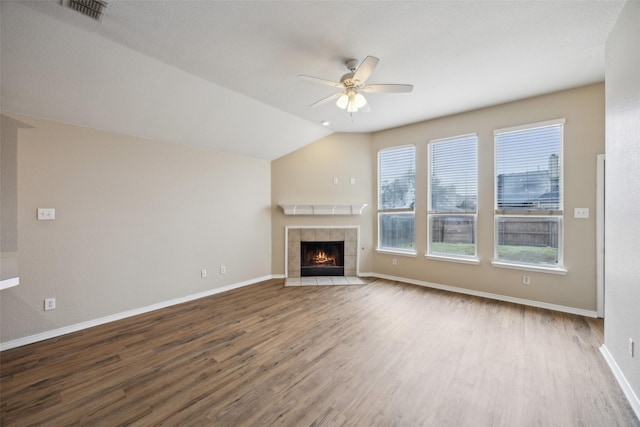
352 64
347 80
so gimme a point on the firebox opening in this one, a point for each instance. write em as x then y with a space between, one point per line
322 258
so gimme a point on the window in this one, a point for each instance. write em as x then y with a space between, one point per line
396 199
528 195
453 197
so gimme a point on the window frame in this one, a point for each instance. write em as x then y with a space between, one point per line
409 211
432 214
500 213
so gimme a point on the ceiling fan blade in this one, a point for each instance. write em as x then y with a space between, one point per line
391 88
321 81
365 69
327 99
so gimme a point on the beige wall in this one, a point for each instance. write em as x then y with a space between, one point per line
306 177
583 109
622 258
136 221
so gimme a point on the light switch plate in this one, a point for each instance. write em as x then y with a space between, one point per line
581 213
46 214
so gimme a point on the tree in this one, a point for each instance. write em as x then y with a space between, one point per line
399 193
443 197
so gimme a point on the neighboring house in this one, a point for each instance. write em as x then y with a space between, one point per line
527 191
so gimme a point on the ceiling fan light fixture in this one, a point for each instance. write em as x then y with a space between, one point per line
355 101
359 100
343 101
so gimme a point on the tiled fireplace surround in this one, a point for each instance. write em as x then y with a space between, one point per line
295 235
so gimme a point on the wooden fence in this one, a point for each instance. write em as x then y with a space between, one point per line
452 230
397 231
511 231
528 232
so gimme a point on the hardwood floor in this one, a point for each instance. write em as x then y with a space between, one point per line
379 354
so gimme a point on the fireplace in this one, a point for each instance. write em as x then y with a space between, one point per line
322 258
295 236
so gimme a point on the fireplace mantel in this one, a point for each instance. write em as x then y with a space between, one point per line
323 209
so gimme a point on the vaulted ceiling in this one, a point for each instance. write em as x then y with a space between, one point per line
222 74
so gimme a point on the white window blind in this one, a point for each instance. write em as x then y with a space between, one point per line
453 175
453 197
396 199
529 168
529 195
396 178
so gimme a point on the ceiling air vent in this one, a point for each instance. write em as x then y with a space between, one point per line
92 8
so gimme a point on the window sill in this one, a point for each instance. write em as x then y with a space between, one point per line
396 252
551 270
9 283
472 261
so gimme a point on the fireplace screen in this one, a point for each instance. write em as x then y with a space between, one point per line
322 259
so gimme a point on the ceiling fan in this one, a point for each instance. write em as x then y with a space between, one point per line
352 84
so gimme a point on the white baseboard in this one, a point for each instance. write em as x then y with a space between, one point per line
118 316
631 396
532 303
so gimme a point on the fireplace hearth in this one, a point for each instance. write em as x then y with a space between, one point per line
322 258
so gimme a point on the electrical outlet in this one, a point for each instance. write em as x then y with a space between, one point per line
526 280
630 347
49 304
581 213
203 273
46 214
394 261
223 269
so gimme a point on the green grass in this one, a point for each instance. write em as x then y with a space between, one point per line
523 254
528 254
441 248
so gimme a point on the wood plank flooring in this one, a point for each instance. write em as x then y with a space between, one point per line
383 353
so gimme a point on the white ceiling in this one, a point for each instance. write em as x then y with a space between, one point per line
222 74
